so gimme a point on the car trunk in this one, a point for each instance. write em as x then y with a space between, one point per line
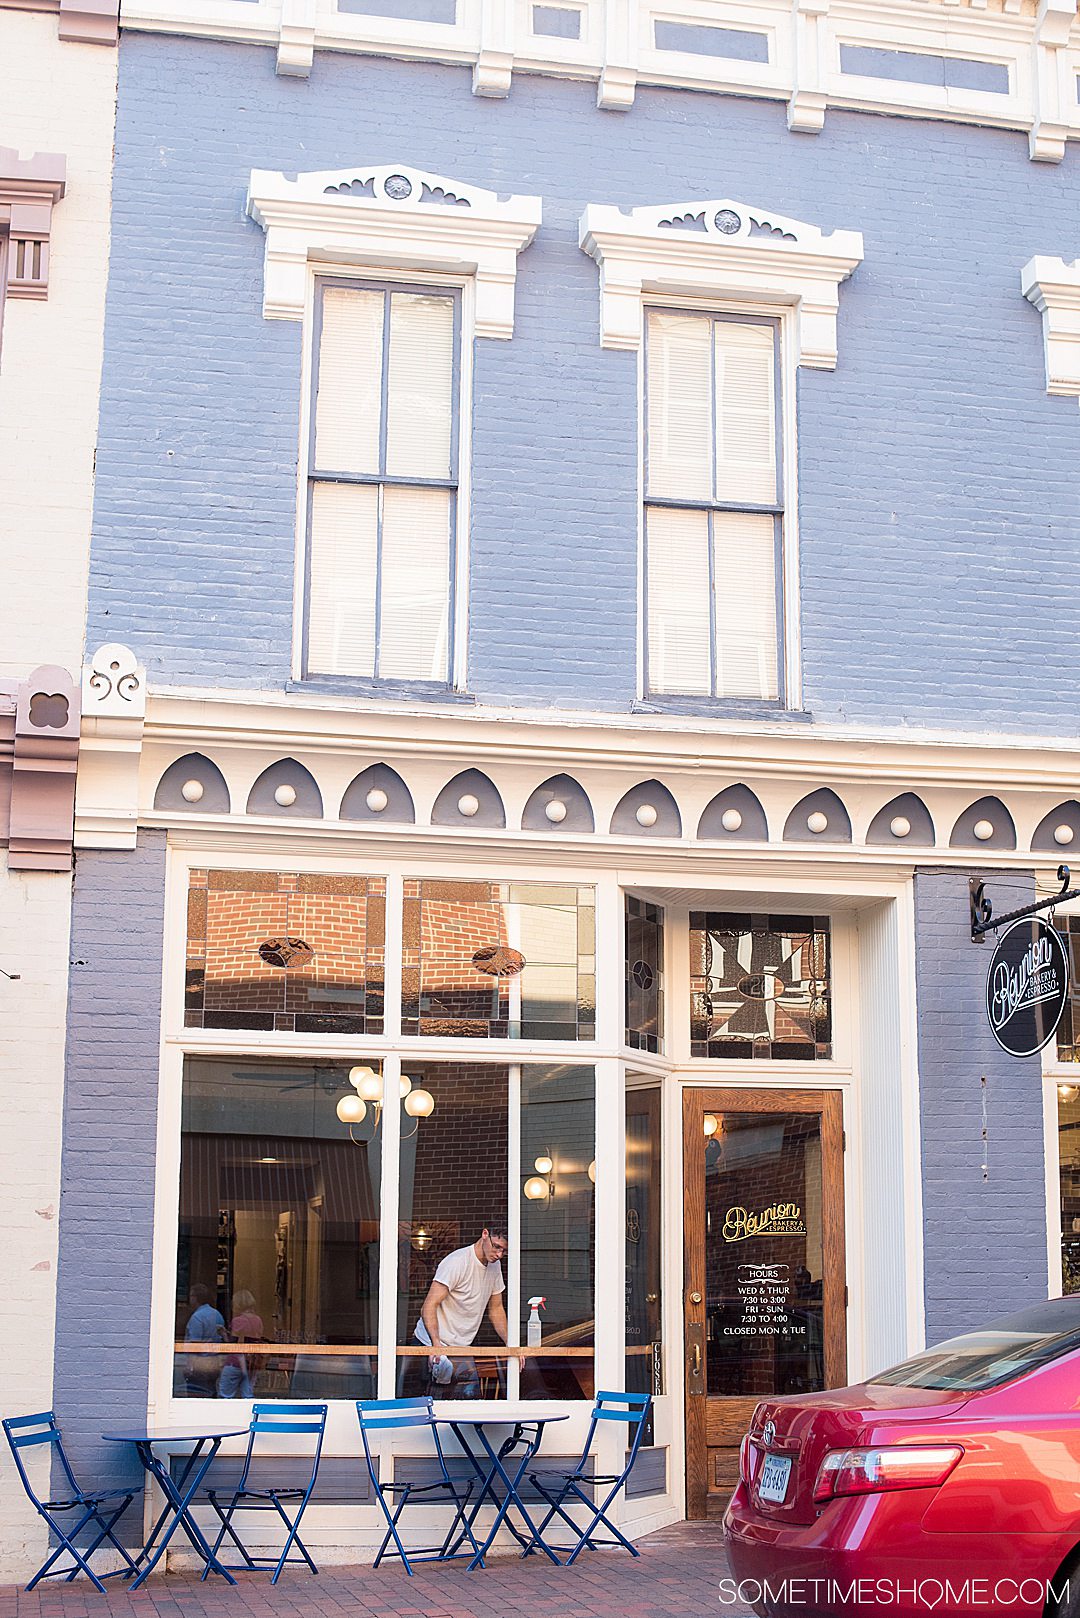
808 1427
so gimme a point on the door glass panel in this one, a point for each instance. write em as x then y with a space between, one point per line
644 1348
1068 1096
763 1254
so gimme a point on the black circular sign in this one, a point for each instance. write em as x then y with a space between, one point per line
1027 985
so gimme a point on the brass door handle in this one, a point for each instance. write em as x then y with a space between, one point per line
695 1360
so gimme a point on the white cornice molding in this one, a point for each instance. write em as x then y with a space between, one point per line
1054 288
390 217
721 249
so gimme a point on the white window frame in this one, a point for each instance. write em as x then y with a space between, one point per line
391 222
789 635
728 258
458 574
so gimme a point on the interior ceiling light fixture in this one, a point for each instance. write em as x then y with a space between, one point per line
367 1091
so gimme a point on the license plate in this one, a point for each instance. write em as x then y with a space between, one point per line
774 1477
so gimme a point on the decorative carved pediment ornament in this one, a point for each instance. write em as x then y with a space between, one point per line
720 249
114 714
385 218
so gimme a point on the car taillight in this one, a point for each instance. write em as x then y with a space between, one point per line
871 1471
746 1459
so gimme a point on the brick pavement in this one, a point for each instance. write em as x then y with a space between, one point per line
676 1577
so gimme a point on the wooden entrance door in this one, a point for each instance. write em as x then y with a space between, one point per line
764 1278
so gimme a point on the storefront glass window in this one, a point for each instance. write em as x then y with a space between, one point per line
760 986
454 1169
1068 1096
1068 1029
278 1251
289 952
498 960
454 1186
644 1350
558 1109
644 975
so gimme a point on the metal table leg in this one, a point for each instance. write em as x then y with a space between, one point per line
179 1500
512 1496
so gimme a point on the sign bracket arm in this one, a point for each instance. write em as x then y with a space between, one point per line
983 919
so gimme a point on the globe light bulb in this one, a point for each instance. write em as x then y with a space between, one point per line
420 1104
591 1171
712 1124
543 1165
367 1081
535 1188
404 1085
351 1110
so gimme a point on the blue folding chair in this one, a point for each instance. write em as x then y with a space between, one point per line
270 1418
570 1487
102 1507
381 1415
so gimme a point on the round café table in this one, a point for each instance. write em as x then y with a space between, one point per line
180 1491
527 1423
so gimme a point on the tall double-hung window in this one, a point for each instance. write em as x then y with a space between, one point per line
383 482
713 505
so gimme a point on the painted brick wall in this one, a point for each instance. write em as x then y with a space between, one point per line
935 471
107 1172
984 1236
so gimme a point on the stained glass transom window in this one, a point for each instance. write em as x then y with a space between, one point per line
644 975
760 986
498 960
290 952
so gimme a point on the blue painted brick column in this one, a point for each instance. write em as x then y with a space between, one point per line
984 1237
108 1166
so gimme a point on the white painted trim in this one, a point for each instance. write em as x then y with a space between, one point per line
1054 288
617 49
316 217
785 262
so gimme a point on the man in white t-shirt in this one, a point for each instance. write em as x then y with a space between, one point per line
468 1283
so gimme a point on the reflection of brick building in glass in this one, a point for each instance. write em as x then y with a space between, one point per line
285 951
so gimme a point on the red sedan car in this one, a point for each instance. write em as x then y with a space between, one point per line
948 1485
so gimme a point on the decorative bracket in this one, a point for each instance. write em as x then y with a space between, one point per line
114 711
390 217
983 919
44 761
719 249
28 189
1054 288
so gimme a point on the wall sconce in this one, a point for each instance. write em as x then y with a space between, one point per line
536 1188
421 1239
368 1085
712 1125
1068 1092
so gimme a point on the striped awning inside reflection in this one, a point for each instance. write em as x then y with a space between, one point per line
267 1172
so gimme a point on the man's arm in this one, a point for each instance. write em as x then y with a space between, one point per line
497 1316
437 1291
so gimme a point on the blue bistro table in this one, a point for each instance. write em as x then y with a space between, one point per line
179 1492
527 1425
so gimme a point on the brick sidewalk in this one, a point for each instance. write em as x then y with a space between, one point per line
676 1576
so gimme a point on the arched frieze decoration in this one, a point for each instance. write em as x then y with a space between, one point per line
734 815
820 817
378 794
286 788
194 785
905 819
1059 831
558 804
647 810
984 824
470 799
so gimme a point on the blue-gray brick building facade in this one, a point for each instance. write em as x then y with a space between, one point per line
807 857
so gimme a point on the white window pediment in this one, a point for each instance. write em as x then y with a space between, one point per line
1054 288
719 249
390 217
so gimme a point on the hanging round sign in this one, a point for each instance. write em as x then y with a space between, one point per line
1027 985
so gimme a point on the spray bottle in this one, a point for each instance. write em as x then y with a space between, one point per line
534 1331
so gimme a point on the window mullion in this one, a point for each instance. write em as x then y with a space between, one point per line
713 659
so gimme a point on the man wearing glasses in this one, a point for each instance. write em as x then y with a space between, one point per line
468 1282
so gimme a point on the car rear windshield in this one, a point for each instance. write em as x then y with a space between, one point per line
997 1353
